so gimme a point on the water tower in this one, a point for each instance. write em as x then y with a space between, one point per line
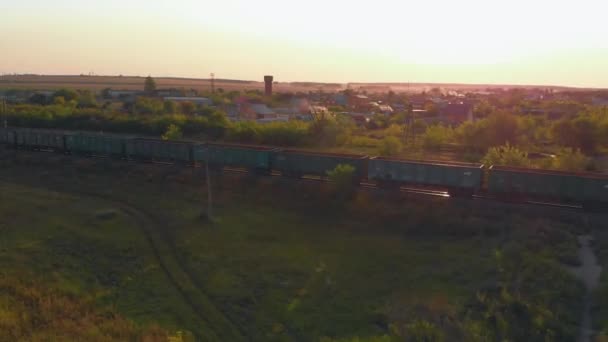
268 85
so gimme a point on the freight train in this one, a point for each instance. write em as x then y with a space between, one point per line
458 179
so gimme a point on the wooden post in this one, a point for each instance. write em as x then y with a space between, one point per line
4 112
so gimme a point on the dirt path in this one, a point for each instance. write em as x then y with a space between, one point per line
589 273
215 326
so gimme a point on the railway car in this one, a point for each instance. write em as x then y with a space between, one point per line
459 179
296 163
40 139
159 150
569 187
256 159
96 144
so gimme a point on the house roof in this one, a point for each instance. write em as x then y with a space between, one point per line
457 109
260 108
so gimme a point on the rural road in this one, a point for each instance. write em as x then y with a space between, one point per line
589 273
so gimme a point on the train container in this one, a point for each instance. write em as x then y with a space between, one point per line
458 178
7 136
577 187
96 144
40 139
158 150
251 157
295 163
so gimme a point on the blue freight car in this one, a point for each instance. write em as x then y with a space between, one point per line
458 178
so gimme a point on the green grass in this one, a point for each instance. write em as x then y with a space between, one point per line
62 240
284 261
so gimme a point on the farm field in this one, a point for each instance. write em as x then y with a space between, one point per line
129 238
136 83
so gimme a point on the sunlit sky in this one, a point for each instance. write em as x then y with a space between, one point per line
466 41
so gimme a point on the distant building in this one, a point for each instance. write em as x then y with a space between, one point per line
385 109
202 101
599 101
255 111
175 92
340 99
300 105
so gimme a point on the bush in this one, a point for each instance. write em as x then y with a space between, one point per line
506 155
361 141
173 133
390 146
343 179
568 159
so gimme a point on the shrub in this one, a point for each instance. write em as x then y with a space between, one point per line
390 146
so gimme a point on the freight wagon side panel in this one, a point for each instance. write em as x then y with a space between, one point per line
316 164
595 189
251 158
425 173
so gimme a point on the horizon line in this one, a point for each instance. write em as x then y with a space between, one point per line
346 84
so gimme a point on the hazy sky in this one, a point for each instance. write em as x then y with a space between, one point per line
469 41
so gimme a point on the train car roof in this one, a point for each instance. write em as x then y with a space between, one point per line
596 175
244 146
432 162
327 154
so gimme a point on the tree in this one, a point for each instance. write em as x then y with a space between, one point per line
435 136
150 85
39 99
169 107
87 99
506 155
67 94
105 93
331 131
581 133
390 146
187 107
173 133
59 100
146 105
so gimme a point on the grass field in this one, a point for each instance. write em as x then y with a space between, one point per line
274 266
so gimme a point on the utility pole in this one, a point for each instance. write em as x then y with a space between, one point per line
209 196
409 124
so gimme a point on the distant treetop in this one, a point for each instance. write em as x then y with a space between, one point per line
150 85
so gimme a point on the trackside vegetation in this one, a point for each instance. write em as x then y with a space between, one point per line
567 138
